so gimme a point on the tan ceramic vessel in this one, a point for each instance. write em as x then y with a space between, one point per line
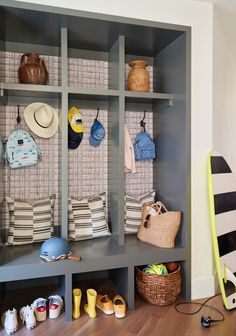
138 78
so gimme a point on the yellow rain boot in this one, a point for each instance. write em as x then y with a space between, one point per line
89 308
77 299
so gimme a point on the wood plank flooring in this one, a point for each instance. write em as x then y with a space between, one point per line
145 320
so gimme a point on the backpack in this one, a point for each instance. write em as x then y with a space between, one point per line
144 147
21 150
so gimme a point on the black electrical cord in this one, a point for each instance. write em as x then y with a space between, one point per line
201 306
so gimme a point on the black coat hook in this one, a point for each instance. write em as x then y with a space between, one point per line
142 123
97 113
18 118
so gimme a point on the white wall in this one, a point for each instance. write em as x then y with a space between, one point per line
200 17
224 91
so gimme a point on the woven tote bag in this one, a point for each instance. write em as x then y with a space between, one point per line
159 229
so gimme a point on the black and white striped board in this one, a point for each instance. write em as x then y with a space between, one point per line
222 200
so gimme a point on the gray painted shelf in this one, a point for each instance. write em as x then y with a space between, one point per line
66 33
97 254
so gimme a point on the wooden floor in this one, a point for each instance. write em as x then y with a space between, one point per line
145 320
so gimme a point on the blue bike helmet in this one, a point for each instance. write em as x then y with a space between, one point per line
54 249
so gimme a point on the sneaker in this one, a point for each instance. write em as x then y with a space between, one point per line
9 321
105 304
27 316
55 306
119 306
40 306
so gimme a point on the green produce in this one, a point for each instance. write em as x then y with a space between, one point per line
159 269
149 270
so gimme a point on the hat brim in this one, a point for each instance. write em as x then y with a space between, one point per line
34 127
73 145
74 139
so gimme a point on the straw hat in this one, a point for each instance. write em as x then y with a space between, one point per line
42 119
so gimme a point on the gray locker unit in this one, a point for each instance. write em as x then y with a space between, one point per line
69 33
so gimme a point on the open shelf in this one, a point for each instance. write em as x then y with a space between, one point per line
147 97
91 94
13 94
21 88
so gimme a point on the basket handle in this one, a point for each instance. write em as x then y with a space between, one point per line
159 207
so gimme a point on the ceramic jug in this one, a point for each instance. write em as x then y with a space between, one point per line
32 69
138 78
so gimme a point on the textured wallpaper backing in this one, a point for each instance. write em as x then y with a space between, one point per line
87 166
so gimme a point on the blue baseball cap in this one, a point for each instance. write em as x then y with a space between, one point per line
97 133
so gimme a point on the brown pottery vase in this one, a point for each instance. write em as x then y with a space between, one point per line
138 78
32 69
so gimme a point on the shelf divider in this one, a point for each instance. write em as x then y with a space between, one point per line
116 108
64 134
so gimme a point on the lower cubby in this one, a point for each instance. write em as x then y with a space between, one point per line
111 282
159 283
16 294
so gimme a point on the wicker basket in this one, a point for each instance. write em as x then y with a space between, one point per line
156 289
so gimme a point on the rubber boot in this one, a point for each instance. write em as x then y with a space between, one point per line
89 308
77 299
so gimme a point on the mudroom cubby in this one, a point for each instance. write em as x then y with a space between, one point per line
107 281
87 56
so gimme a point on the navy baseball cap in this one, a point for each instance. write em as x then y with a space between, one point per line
75 127
97 134
74 139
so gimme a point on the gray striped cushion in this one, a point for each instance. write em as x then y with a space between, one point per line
30 220
87 217
133 210
79 219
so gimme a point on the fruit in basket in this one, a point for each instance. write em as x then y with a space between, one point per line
171 266
159 269
148 270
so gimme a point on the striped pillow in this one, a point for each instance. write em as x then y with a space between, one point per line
133 210
87 217
31 221
79 219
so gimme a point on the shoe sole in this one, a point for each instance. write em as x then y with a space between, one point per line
30 326
119 315
10 331
107 312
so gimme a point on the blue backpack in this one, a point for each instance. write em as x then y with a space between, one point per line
144 147
21 150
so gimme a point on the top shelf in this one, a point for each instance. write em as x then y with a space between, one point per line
21 91
17 87
147 97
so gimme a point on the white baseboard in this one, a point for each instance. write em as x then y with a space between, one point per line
203 287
